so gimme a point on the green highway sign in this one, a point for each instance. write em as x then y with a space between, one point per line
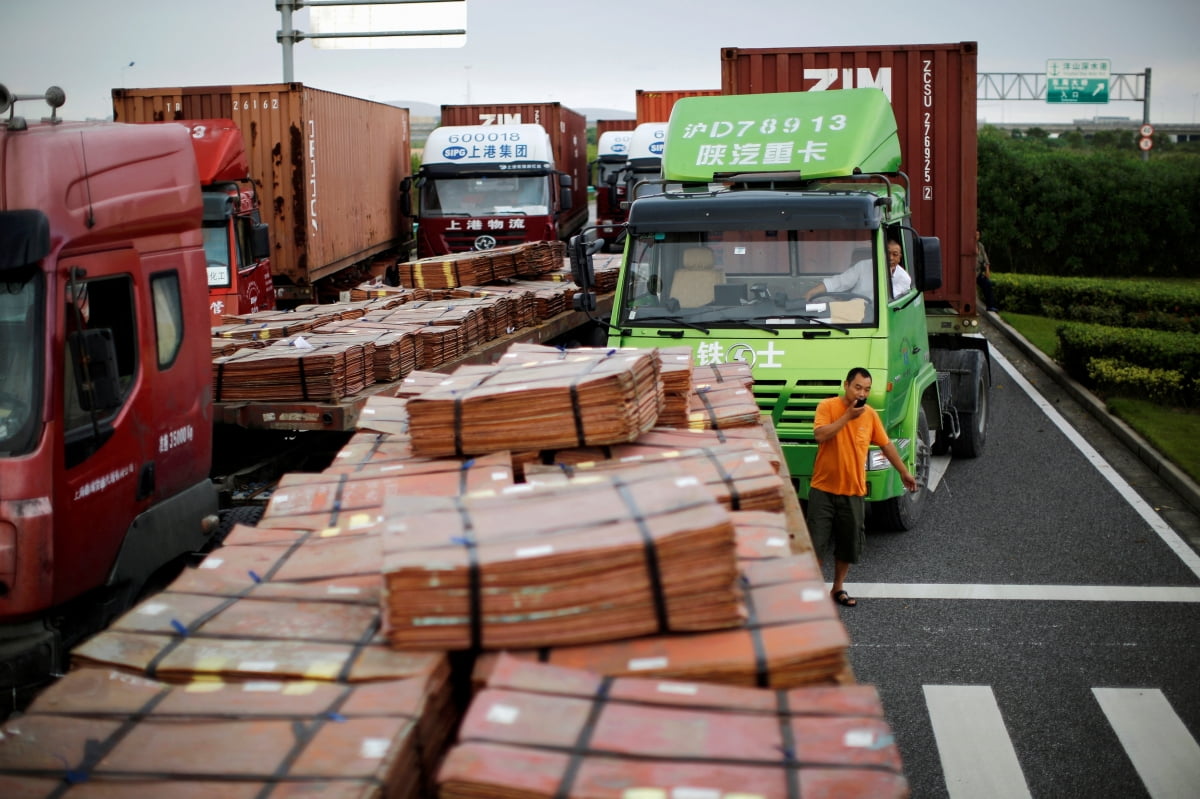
1077 80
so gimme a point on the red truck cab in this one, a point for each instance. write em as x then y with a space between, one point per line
236 241
105 405
486 186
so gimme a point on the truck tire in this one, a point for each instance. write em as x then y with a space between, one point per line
973 424
902 513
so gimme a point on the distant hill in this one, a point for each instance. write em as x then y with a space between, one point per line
420 110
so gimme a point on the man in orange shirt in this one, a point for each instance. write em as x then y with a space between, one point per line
845 427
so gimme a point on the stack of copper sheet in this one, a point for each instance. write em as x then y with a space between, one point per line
792 637
522 305
739 478
722 407
333 311
549 298
418 382
386 416
393 353
367 448
666 442
317 501
285 325
376 291
539 567
447 271
293 373
467 316
538 732
718 375
539 257
105 733
584 399
228 346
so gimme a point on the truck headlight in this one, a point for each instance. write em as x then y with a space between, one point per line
877 461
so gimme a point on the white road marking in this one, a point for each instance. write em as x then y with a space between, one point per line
1065 593
1143 509
1164 753
978 759
938 465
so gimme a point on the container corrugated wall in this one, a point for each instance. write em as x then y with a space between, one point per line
607 125
327 166
932 89
568 138
655 106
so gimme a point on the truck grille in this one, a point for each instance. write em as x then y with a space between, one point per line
793 405
464 241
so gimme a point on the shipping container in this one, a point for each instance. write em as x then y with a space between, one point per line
327 168
568 137
606 125
655 106
932 91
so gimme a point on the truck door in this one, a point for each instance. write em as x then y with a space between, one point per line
114 462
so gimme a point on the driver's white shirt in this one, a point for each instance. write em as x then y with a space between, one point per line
858 280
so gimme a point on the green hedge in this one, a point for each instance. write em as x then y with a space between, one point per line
1082 345
1153 304
1048 209
1113 376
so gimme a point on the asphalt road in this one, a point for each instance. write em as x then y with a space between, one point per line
1038 635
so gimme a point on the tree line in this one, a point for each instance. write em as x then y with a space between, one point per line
1088 206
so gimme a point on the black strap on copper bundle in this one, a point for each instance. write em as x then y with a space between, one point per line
575 406
303 378
788 744
474 578
583 740
185 630
762 670
708 406
735 498
96 750
336 511
651 554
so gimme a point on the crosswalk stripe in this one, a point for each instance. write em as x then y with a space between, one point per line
1066 593
978 759
1166 756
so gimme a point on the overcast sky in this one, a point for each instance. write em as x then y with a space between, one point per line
593 54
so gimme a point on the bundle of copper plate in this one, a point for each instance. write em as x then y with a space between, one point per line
538 732
571 400
294 373
539 566
791 637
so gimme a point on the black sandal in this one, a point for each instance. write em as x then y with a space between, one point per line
844 599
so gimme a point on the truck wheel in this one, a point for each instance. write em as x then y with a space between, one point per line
903 512
973 425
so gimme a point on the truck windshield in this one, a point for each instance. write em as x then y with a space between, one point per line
21 351
486 196
752 277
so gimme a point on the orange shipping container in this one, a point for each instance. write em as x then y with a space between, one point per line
327 168
568 138
932 91
655 106
605 125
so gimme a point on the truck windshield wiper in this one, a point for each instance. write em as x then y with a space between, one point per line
814 320
675 320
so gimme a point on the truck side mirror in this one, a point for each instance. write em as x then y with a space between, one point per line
100 388
567 198
260 242
928 254
580 251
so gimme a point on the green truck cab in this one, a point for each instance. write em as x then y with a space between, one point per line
767 243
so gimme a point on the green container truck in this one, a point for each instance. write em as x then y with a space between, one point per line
767 243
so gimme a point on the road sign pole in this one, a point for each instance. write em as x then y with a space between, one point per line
1146 110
